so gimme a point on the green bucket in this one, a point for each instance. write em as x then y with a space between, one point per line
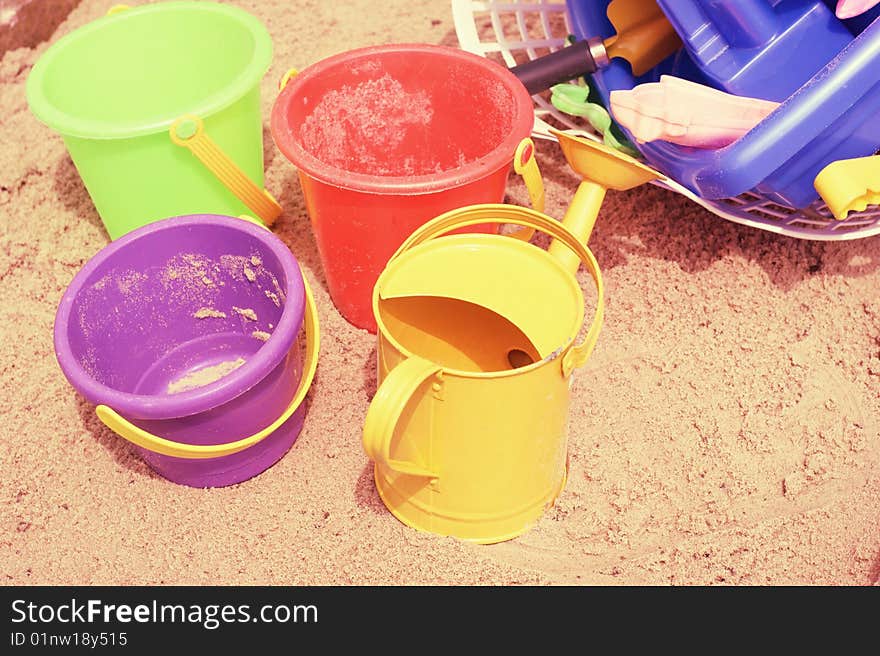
159 107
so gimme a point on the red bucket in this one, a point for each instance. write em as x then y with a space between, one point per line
386 138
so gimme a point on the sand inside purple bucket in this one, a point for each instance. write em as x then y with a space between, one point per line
184 296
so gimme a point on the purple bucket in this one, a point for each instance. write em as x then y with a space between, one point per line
185 333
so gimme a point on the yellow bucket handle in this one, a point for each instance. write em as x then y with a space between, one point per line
287 77
476 214
188 131
138 436
525 165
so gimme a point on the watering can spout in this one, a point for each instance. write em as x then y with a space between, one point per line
601 168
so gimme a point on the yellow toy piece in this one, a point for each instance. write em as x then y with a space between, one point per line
644 38
849 185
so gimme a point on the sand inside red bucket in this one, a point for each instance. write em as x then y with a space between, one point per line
373 127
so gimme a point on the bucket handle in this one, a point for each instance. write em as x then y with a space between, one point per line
383 415
501 213
525 165
138 436
188 131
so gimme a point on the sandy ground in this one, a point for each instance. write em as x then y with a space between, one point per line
724 431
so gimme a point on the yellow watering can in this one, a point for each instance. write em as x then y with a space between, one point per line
468 428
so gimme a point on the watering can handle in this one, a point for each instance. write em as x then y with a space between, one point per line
477 215
138 436
188 131
383 415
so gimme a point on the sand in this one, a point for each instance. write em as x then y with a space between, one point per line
725 431
354 128
246 313
206 313
204 376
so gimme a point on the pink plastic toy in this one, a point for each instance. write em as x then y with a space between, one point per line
852 8
686 113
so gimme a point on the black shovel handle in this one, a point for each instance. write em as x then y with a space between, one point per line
566 64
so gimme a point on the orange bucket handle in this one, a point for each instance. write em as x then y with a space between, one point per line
188 131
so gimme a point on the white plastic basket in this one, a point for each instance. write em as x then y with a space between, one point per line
515 32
